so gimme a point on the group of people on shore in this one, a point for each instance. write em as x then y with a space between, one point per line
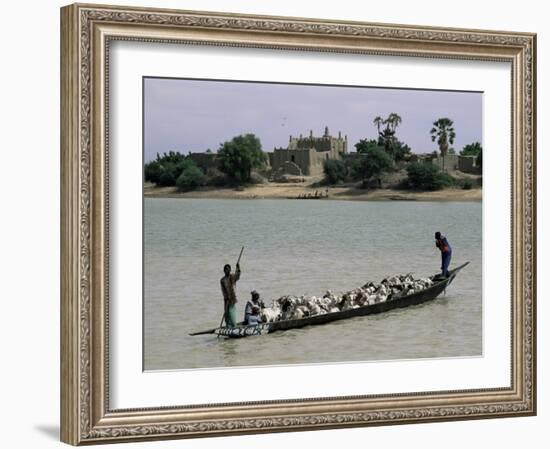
253 308
316 195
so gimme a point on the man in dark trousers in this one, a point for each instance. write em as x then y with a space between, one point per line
446 252
228 284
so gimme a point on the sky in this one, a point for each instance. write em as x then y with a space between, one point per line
195 115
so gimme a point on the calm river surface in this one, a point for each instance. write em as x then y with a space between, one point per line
305 247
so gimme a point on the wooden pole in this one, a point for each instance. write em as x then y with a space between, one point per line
240 255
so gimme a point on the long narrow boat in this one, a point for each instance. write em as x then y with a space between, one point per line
428 294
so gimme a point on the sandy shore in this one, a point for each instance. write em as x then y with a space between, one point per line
286 190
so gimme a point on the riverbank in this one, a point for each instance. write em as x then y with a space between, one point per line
288 190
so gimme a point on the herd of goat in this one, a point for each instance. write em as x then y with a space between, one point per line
295 307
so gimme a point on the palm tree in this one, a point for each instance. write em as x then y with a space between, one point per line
393 121
444 132
386 137
378 121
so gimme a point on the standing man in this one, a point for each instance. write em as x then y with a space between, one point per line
228 285
446 252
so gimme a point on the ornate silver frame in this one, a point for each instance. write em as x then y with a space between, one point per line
86 32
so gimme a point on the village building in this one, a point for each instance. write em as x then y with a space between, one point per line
305 156
451 162
204 160
469 164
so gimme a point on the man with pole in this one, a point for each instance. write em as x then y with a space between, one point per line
446 253
228 285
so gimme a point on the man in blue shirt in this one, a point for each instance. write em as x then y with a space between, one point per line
446 252
253 309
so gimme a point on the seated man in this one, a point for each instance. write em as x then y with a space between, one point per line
253 309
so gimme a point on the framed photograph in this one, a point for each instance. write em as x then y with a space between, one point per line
280 224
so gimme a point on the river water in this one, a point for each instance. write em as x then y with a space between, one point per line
305 247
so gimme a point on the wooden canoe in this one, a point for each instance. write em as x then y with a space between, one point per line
428 294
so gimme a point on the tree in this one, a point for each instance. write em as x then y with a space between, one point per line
373 162
479 158
335 171
388 141
191 177
363 145
472 149
172 156
426 176
165 170
152 172
378 121
386 137
402 151
444 132
167 179
393 121
238 156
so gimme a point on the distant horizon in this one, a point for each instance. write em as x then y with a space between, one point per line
190 115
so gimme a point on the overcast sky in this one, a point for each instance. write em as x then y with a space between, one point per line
193 115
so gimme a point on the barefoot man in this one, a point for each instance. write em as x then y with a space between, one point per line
446 252
228 285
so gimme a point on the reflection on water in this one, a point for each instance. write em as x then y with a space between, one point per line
305 247
229 350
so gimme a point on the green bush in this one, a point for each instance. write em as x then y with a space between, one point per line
402 151
335 171
173 157
371 165
152 172
170 165
426 176
167 179
467 185
191 178
174 169
472 149
364 145
166 170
